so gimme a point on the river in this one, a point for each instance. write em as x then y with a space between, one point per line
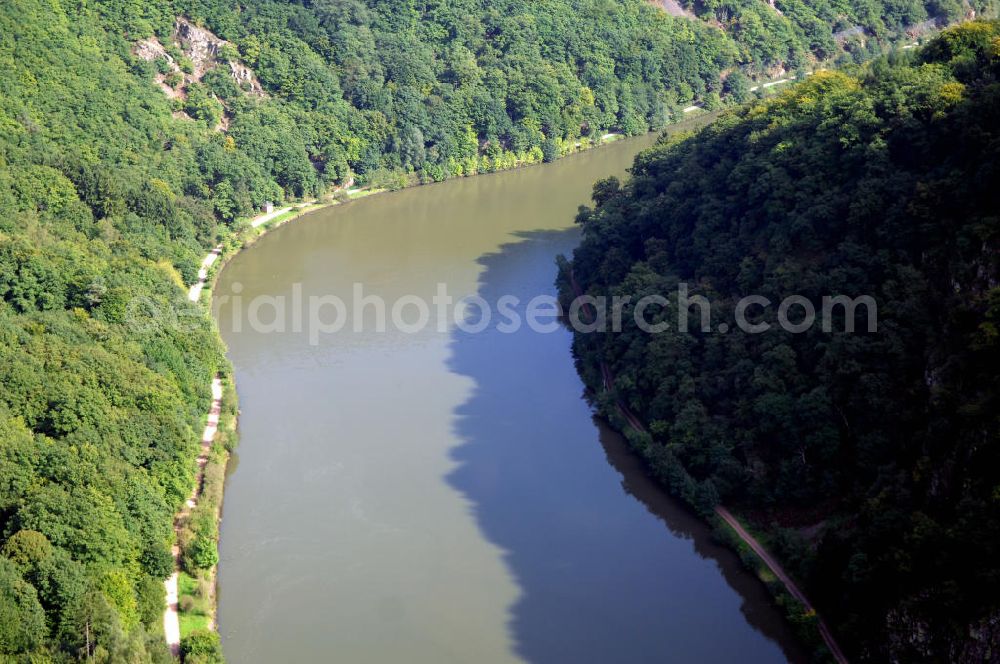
446 495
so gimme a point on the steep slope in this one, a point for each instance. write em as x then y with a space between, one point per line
784 35
868 458
111 191
119 171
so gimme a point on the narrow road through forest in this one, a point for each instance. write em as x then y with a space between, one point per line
171 618
194 293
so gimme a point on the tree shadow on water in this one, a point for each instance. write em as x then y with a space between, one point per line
609 567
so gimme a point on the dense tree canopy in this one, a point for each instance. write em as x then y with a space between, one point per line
870 458
787 33
124 156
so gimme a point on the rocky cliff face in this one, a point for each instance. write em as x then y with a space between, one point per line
913 639
151 50
205 52
673 7
204 49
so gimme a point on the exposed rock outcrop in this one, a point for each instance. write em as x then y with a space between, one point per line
151 50
673 7
205 52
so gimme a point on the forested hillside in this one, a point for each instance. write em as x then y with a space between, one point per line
788 33
130 143
869 460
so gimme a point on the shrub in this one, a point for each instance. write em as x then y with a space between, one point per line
201 647
204 553
550 150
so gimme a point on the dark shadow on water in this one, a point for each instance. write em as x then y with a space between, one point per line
610 568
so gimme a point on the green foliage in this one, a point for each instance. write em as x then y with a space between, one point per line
27 549
90 623
550 150
22 621
872 456
110 197
204 552
202 105
785 36
229 53
201 647
737 86
97 416
150 600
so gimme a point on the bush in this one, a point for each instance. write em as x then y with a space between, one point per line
202 105
157 561
204 553
550 150
201 647
228 53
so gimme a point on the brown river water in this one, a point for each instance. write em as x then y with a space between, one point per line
445 495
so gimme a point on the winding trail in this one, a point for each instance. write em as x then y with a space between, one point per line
171 619
194 293
771 84
727 516
262 219
697 106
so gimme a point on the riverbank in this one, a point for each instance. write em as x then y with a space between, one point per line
217 259
194 594
171 618
798 609
393 442
191 593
